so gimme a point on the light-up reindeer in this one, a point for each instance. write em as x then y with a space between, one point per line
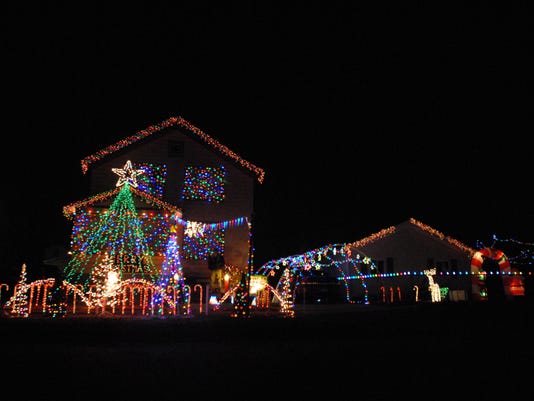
435 292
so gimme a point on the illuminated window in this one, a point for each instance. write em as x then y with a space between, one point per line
204 183
152 181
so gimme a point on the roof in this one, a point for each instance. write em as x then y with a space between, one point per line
433 232
70 210
173 122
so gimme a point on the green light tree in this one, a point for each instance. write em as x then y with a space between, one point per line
118 238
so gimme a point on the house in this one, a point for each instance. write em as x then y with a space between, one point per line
413 262
407 263
187 183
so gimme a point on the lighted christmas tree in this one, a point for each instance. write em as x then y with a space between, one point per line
106 283
242 301
19 302
287 307
172 276
117 240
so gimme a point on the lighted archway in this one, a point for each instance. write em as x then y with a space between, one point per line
512 279
337 256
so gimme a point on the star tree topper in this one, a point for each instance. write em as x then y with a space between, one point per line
127 174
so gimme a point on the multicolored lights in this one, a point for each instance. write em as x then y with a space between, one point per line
152 181
204 183
180 123
117 234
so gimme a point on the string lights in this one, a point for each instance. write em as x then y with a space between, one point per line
204 183
173 122
335 258
118 235
519 253
127 175
19 302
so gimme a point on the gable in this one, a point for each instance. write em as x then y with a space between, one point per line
190 129
72 209
411 235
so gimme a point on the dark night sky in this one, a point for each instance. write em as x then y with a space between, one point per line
361 115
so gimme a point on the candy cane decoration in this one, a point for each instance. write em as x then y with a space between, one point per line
92 289
513 285
199 287
31 298
383 290
416 288
188 295
170 289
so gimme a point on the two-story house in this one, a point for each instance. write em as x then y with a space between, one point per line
189 185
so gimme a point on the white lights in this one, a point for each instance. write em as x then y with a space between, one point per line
127 175
194 229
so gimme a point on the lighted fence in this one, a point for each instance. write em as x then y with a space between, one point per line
134 297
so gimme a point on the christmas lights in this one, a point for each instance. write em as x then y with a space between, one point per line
127 175
152 181
204 183
287 307
19 302
336 256
433 287
172 277
118 235
173 122
390 230
242 300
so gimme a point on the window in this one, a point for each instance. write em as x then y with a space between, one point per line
389 265
176 148
454 265
380 266
152 181
442 266
204 183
